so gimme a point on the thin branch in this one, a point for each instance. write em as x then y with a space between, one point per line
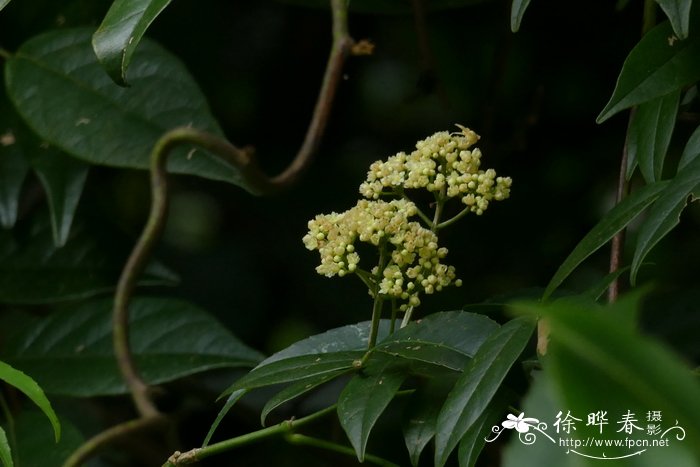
623 188
197 454
618 241
255 179
109 436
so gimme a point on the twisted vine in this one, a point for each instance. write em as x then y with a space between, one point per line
255 181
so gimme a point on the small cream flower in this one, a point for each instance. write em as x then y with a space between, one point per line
444 162
413 257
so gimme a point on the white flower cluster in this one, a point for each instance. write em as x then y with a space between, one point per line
444 163
412 264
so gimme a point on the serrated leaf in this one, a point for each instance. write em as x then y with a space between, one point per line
34 270
478 384
295 390
94 119
614 221
63 179
659 64
420 418
447 339
691 150
473 441
346 338
70 352
363 401
664 215
33 391
297 368
678 12
517 10
121 31
650 135
597 349
230 402
5 452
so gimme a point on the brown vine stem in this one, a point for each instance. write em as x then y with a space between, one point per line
94 444
623 188
618 241
254 179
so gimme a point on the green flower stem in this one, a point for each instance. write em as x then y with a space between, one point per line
366 278
451 221
376 319
420 213
407 317
394 311
378 300
303 440
440 203
285 427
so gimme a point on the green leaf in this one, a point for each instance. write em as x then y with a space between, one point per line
70 352
447 339
5 453
96 120
295 390
419 428
614 221
363 400
35 444
678 12
63 179
650 134
478 384
473 441
541 402
13 165
346 338
664 215
517 10
34 270
420 415
13 171
595 349
297 368
691 150
121 31
600 287
3 3
230 402
659 64
31 389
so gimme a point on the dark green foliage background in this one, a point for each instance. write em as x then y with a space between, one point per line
532 96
